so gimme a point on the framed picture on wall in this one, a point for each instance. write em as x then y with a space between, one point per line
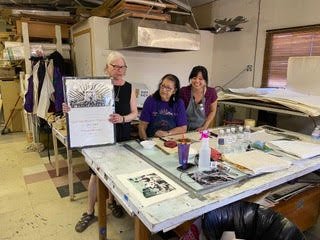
91 101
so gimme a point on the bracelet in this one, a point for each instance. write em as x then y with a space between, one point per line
123 119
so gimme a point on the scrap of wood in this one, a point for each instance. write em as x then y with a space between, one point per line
110 3
155 4
104 9
161 17
124 8
120 18
52 19
139 14
122 5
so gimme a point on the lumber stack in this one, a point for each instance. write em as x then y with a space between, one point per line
119 10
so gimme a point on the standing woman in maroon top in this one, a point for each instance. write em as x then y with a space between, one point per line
199 99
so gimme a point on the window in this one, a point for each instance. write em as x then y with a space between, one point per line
284 43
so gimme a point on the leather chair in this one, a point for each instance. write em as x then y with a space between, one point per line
249 221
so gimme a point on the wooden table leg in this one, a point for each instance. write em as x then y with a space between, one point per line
70 173
55 149
141 232
102 214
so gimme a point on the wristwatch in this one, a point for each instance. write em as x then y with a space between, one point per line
123 119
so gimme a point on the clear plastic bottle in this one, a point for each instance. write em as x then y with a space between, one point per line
228 141
247 136
240 139
234 140
316 133
221 141
204 152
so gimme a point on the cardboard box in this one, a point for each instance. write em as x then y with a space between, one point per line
10 91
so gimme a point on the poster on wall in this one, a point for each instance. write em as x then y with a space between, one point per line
91 102
150 186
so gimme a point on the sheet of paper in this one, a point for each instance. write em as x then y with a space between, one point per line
264 136
91 103
257 161
301 149
150 186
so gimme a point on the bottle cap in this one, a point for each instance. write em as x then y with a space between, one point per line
204 134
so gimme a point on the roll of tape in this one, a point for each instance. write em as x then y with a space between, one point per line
250 122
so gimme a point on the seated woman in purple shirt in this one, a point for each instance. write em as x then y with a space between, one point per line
200 100
163 113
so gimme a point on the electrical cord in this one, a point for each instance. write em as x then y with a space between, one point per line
231 80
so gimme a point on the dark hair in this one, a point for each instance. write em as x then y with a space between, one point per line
195 70
174 98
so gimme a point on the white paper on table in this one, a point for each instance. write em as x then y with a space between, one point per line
264 136
300 149
150 186
257 161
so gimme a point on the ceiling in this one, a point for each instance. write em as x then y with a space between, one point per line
68 5
194 3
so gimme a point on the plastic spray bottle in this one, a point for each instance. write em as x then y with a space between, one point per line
204 152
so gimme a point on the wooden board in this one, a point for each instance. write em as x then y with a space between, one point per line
104 9
52 19
43 29
122 5
162 17
152 3
140 14
10 91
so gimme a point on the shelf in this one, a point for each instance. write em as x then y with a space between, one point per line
43 29
264 106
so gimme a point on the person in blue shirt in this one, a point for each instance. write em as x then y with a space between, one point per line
163 113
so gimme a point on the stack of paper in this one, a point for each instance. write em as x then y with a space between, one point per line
257 161
299 149
308 104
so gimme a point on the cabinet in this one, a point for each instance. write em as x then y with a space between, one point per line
302 209
90 43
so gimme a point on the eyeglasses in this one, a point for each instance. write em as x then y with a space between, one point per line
164 87
118 67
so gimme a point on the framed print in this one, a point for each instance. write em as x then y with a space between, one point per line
91 102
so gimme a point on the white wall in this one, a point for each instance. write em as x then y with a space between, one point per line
150 67
233 51
144 67
282 14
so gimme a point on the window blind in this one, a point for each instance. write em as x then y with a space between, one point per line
284 43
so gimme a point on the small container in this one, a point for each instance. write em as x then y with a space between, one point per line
148 144
316 133
183 154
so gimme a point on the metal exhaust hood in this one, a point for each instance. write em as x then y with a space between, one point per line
151 35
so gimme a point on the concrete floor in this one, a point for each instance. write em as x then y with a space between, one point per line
32 209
